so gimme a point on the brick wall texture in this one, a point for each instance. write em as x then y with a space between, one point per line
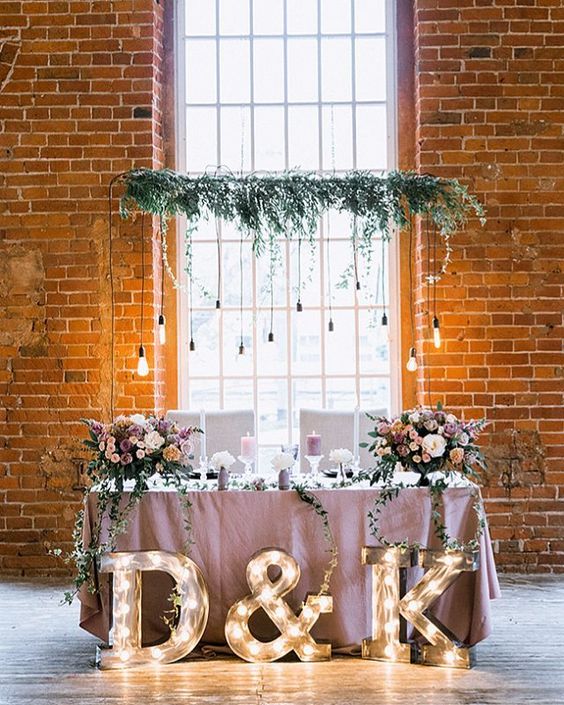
83 97
489 86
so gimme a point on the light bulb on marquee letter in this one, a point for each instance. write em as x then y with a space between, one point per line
266 593
126 648
388 582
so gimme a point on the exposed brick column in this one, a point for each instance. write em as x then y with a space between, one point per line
489 104
80 101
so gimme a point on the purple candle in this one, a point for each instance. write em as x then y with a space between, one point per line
248 446
313 444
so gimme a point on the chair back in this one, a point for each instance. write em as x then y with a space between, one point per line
336 429
223 430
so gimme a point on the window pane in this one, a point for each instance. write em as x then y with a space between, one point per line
232 274
272 356
342 285
303 134
233 16
341 394
238 394
200 17
337 138
371 137
272 411
302 70
200 71
370 68
234 364
268 17
306 346
340 345
278 279
201 138
204 394
302 16
235 70
370 16
310 291
373 343
204 361
269 138
336 16
204 268
235 130
335 69
306 395
269 70
375 393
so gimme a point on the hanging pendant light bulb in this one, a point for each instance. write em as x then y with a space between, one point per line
331 325
142 366
384 320
192 345
241 348
271 337
436 333
412 362
162 329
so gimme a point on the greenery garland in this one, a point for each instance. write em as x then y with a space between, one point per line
290 204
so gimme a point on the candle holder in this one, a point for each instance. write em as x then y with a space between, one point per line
314 461
203 468
248 462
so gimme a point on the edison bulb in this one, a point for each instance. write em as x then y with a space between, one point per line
436 333
142 366
162 330
412 362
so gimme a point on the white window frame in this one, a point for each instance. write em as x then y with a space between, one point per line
392 264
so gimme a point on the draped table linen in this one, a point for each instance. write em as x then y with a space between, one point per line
229 527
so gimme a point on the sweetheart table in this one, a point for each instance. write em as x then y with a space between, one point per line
229 527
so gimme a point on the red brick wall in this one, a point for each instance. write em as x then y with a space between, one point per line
489 79
80 100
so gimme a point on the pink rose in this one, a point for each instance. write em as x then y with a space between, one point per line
140 453
114 458
456 456
426 458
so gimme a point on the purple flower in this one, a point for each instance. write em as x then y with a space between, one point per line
383 429
163 426
185 432
97 428
450 429
135 430
403 451
125 445
126 458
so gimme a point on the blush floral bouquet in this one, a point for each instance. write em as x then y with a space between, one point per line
425 441
136 447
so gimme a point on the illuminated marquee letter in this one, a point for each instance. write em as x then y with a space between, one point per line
266 593
126 648
389 642
444 567
389 568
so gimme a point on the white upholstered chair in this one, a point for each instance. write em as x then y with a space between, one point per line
223 430
336 429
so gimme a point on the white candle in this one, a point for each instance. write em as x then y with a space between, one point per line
248 446
356 432
203 434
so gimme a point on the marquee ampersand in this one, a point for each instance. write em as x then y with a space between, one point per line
266 593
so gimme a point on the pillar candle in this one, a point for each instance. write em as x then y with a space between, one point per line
248 446
313 444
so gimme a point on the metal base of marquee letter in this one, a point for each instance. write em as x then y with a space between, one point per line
266 593
125 635
389 574
389 612
444 567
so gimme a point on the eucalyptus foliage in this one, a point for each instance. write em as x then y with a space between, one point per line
290 203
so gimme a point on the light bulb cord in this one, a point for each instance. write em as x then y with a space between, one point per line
142 273
161 228
241 285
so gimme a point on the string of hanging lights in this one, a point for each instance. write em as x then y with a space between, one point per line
142 365
161 323
411 365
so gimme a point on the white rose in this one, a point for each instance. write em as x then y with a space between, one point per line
464 439
282 461
153 440
222 459
341 456
451 418
414 417
434 445
138 419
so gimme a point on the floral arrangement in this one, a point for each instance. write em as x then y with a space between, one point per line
135 447
282 461
426 441
222 459
341 456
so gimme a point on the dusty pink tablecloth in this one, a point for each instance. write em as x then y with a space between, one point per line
229 527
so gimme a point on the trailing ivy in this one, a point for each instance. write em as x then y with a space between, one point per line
289 204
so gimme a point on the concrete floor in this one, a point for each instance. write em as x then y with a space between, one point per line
46 658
